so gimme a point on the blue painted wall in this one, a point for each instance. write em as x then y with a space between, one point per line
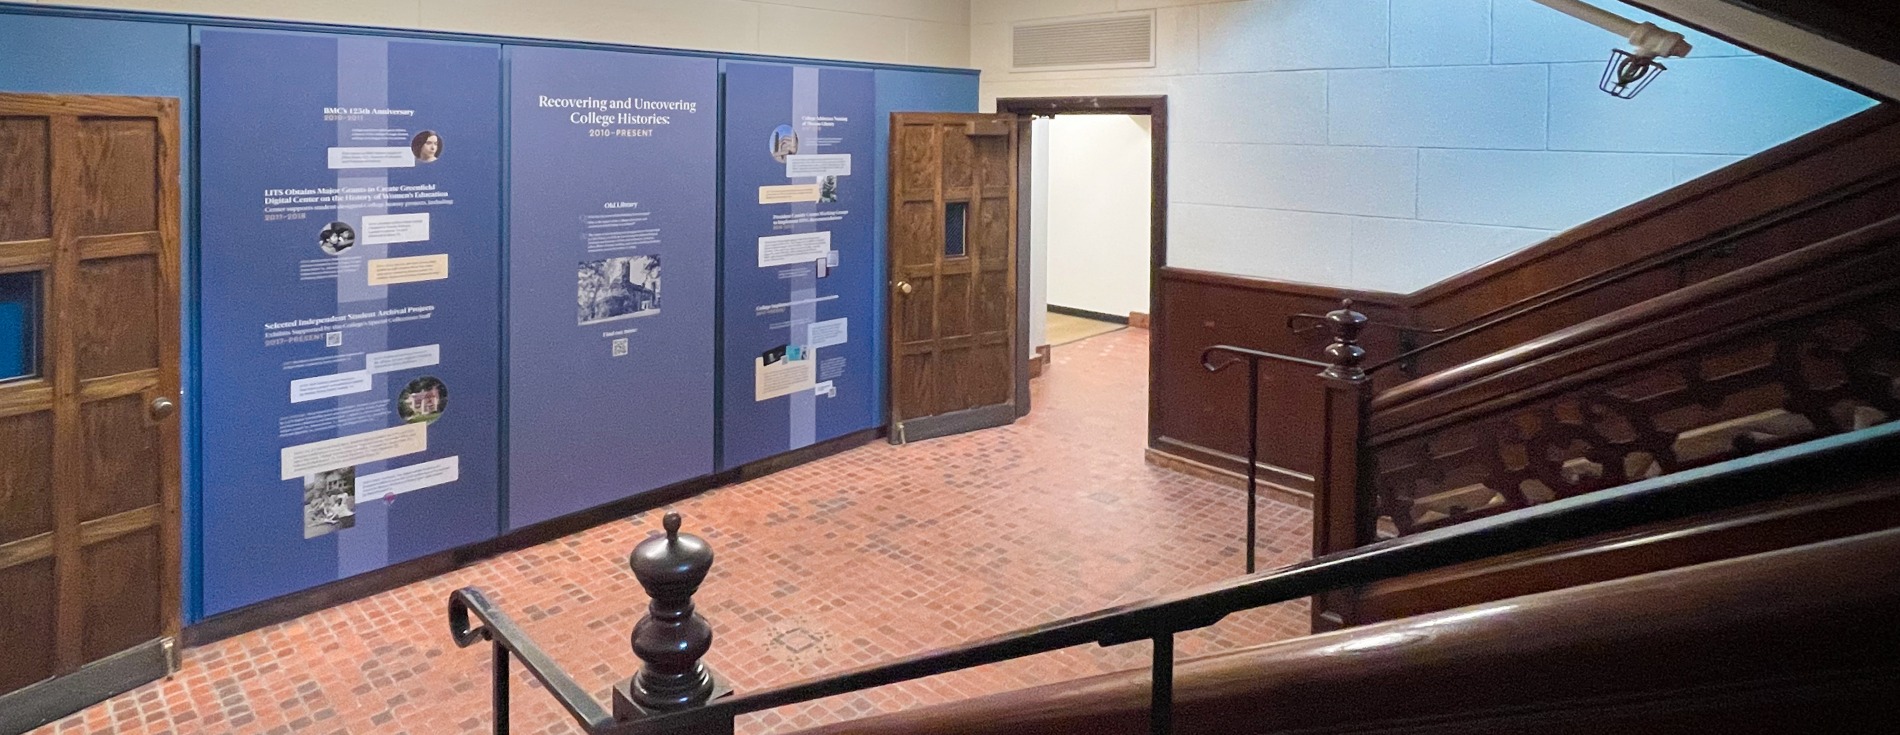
53 55
1388 144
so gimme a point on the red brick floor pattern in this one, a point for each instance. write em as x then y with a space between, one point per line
856 559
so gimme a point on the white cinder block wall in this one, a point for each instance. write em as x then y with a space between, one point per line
927 32
1389 144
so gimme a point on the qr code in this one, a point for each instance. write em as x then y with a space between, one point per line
620 347
333 339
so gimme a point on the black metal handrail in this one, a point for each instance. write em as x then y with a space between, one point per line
497 628
1252 357
1558 294
1805 469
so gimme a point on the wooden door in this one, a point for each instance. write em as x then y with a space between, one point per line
88 442
953 273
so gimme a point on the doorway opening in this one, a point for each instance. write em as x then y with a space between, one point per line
1088 226
1094 217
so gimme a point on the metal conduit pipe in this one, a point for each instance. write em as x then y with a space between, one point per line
1647 38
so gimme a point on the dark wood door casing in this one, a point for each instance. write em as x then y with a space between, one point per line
89 487
953 304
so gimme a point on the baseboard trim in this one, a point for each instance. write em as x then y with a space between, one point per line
298 604
46 701
1138 320
1039 362
1270 486
1086 314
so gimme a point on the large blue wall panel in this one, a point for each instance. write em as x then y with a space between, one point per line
612 178
352 381
799 274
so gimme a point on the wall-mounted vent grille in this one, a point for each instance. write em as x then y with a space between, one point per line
1106 42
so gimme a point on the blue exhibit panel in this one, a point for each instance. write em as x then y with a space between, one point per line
800 259
901 90
612 183
350 258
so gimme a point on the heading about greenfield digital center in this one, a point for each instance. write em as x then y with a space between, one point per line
623 111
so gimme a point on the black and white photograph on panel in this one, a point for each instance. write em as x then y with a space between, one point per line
329 501
619 288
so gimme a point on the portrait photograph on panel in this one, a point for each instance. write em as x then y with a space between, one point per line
427 145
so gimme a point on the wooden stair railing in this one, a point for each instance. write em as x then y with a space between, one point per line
1800 346
1831 181
1793 641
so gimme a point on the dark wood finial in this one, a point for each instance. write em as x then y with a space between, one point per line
1345 353
672 639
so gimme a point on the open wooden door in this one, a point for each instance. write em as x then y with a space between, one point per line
953 273
89 474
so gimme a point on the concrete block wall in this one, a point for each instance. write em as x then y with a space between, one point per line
1389 144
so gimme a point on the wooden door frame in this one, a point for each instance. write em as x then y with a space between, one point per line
1156 108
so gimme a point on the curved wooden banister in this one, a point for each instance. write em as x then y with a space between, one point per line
1835 262
1798 640
1793 152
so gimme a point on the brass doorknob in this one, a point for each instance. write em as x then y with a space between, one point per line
903 286
163 407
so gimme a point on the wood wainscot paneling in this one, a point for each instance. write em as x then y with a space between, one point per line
1201 416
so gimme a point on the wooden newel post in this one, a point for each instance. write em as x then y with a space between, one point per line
672 639
1345 353
1342 510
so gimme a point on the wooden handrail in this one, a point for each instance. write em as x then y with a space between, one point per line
1790 153
1798 640
1820 262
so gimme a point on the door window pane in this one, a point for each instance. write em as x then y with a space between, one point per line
955 217
19 325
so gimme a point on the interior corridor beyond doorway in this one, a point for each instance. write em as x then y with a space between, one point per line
1090 243
857 559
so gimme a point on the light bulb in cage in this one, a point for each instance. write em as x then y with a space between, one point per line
1628 74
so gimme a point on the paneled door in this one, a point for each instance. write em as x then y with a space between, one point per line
953 273
89 472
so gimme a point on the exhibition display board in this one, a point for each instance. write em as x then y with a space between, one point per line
799 273
349 257
612 181
383 231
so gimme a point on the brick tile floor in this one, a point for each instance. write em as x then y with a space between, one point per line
856 559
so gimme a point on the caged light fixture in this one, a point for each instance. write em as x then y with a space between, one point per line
1627 74
1629 71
